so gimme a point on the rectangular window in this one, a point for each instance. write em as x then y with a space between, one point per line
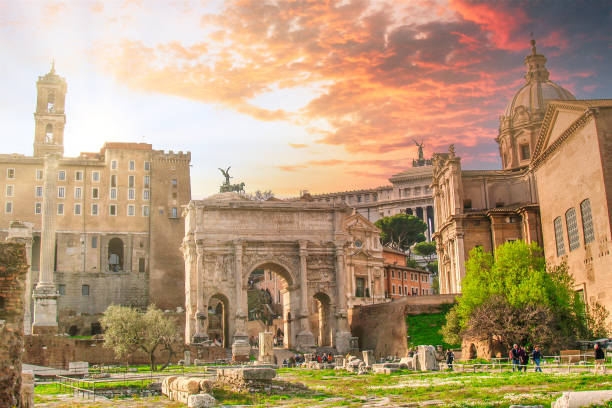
61 288
39 174
114 165
141 264
9 190
78 175
60 209
359 199
95 176
131 210
399 289
39 191
393 289
113 180
174 183
94 242
131 181
145 194
572 229
174 212
78 192
61 175
147 166
61 192
359 287
77 209
85 290
113 193
392 273
415 291
405 290
94 209
147 181
559 236
424 291
405 275
131 194
8 207
95 194
38 208
525 153
587 221
145 210
10 173
112 209
132 165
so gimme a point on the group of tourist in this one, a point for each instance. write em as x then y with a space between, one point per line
520 358
294 361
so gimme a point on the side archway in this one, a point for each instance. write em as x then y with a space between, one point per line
218 319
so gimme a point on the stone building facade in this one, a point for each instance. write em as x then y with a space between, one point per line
400 280
319 249
553 189
409 193
116 215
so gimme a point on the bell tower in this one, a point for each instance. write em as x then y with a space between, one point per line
49 116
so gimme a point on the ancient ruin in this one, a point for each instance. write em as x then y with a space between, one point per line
227 237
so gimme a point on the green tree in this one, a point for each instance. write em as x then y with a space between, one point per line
400 231
425 249
518 276
127 330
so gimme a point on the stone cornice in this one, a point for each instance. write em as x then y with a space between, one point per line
574 127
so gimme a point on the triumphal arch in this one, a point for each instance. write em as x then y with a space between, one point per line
228 237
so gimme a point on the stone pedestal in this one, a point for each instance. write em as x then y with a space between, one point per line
266 348
344 342
241 349
45 309
305 342
187 357
427 358
368 357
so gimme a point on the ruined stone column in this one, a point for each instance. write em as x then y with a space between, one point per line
21 232
305 338
343 335
266 348
240 347
45 294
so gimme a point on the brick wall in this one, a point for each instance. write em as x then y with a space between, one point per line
13 270
382 327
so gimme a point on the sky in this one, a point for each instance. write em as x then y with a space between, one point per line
318 95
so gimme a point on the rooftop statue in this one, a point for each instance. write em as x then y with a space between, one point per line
226 186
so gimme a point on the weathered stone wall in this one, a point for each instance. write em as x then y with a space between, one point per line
382 327
58 351
13 270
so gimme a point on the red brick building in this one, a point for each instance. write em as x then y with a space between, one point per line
401 280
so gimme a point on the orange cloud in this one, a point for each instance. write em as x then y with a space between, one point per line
298 145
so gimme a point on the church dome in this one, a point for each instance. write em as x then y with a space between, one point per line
534 96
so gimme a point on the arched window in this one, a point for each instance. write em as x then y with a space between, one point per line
51 102
559 236
572 229
49 133
115 255
587 221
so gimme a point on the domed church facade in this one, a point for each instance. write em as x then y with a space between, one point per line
554 188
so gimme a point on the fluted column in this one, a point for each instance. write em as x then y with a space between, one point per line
343 335
305 338
201 313
45 294
240 346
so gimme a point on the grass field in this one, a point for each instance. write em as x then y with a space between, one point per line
425 329
329 388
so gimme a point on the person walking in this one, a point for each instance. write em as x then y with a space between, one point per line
524 359
536 355
600 358
450 357
515 357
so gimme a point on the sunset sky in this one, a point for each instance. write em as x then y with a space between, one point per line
302 94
